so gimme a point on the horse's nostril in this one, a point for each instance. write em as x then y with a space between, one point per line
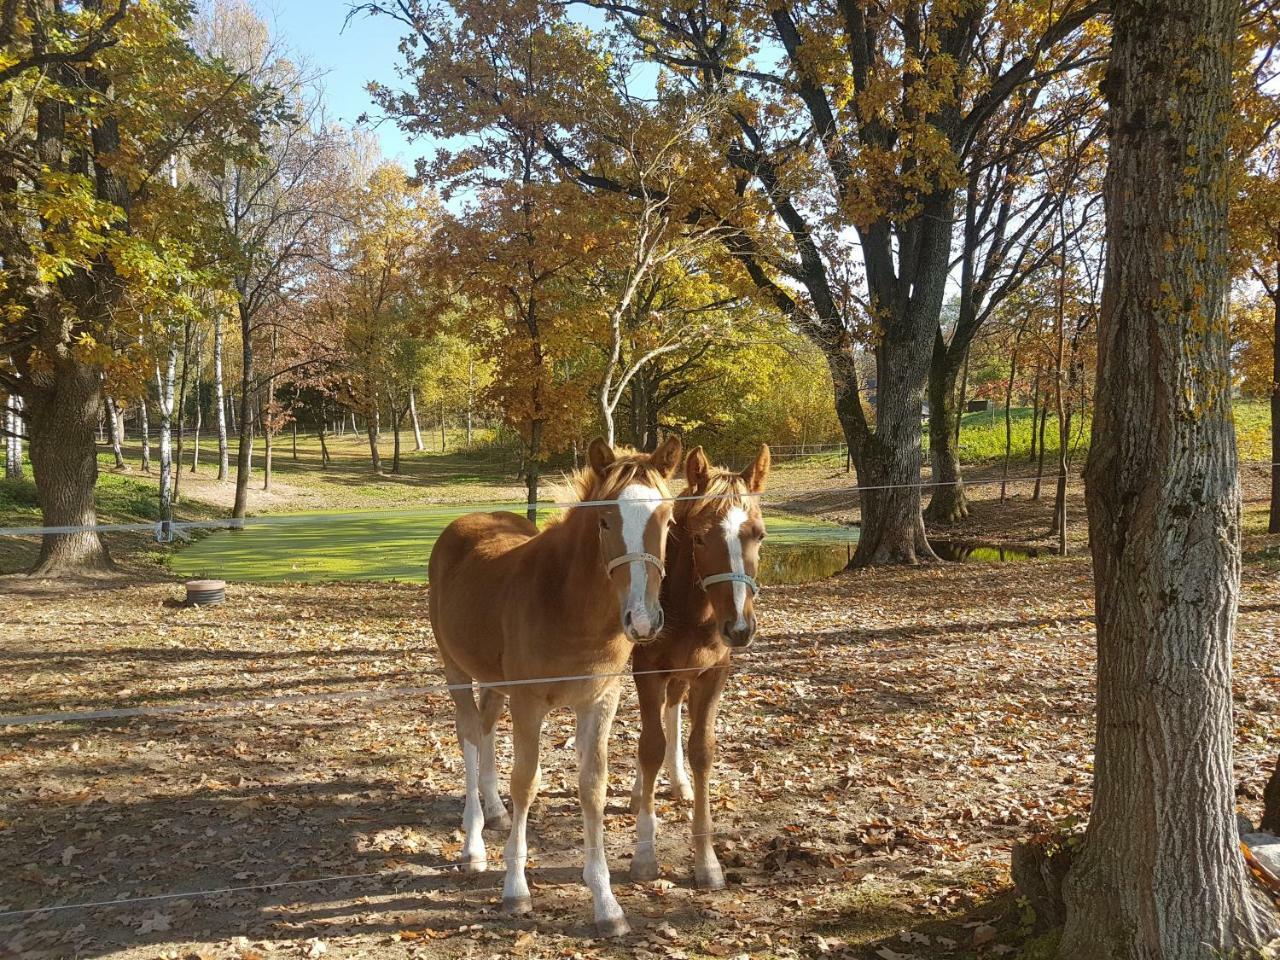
626 619
658 621
727 629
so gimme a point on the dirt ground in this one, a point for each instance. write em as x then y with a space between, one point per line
883 744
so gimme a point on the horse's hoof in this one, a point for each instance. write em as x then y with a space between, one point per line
517 906
613 927
708 878
642 871
498 821
475 866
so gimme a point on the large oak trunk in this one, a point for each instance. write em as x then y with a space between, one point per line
947 502
887 461
62 415
1161 876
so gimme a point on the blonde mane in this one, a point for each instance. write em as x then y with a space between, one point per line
725 490
630 467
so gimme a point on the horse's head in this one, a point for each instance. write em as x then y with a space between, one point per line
726 528
633 528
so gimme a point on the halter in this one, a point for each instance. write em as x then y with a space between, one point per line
731 578
635 558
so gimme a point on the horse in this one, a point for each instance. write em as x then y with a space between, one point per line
708 596
510 605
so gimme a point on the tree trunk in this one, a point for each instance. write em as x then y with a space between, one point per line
13 439
244 451
115 423
1008 421
373 444
1035 411
395 442
443 438
533 471
62 416
181 411
1271 803
267 418
144 426
891 522
964 396
165 380
1160 875
199 414
1273 522
418 445
220 399
947 503
1044 419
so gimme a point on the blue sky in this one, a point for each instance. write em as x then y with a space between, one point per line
313 32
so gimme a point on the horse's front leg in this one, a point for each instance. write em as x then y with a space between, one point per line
652 692
495 813
676 775
470 738
594 721
527 715
704 703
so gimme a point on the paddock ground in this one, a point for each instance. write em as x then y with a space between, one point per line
886 740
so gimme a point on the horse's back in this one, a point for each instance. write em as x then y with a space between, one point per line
467 572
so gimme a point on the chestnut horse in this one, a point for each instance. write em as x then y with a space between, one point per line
708 599
511 604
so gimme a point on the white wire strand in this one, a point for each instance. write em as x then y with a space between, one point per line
539 864
198 706
164 529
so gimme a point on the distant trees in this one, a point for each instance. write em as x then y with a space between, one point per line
100 101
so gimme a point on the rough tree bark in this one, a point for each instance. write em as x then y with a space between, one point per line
947 503
1161 876
1271 803
1273 524
62 415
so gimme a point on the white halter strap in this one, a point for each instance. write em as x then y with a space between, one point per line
731 578
635 558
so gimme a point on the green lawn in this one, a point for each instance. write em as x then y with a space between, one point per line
382 545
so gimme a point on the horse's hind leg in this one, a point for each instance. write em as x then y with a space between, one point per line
594 721
676 775
527 715
704 703
495 813
652 693
470 738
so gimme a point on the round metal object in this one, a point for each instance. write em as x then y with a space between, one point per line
202 593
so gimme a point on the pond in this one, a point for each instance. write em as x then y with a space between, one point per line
394 545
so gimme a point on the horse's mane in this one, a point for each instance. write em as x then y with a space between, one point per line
725 490
630 467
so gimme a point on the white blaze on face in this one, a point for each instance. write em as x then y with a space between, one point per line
637 504
731 526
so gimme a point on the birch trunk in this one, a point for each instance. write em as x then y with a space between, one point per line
418 445
220 399
13 440
1160 875
244 452
165 380
115 426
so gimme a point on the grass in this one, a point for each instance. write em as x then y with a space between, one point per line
381 545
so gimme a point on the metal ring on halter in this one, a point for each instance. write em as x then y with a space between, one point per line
731 578
635 558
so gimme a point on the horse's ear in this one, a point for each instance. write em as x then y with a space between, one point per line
600 456
697 469
667 457
755 474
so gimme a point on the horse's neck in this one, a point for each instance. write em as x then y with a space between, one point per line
688 603
573 546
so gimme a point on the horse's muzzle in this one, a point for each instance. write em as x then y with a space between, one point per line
643 630
739 634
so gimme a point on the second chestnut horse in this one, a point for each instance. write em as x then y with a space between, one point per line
708 597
